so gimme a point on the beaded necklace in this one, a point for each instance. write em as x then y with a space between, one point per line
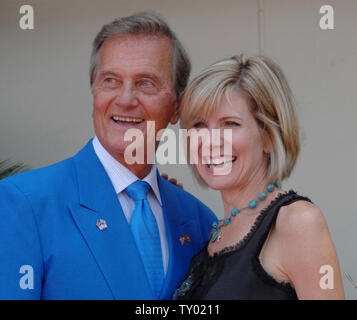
217 225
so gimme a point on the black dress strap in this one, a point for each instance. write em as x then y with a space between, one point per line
269 217
236 272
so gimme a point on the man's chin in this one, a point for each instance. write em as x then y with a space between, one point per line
130 154
116 149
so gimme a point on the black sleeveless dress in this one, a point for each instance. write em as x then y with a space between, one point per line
235 272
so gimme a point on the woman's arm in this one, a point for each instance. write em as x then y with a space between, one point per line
306 250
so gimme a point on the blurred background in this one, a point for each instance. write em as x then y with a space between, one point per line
46 104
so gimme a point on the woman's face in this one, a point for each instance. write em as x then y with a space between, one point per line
247 159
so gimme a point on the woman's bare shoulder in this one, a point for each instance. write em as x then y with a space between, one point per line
300 217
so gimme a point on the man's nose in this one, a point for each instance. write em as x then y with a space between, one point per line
126 96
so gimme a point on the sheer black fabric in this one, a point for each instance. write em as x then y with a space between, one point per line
236 272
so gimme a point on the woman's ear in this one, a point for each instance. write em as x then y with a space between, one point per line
266 144
266 148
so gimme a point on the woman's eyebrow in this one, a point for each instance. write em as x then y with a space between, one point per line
231 117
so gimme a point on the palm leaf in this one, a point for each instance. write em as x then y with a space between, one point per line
351 280
7 168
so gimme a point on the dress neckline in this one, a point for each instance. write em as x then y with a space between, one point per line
243 242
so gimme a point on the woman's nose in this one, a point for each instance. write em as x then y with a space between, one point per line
215 136
213 141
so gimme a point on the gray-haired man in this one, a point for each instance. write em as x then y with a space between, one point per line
72 224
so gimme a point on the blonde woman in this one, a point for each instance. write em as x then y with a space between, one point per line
271 244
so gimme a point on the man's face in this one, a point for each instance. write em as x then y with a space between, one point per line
133 85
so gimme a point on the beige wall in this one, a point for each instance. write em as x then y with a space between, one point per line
46 103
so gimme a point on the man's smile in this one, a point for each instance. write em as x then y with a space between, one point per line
127 120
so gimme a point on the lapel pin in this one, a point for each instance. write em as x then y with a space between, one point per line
101 224
185 238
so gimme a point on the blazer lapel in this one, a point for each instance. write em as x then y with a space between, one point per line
113 248
178 226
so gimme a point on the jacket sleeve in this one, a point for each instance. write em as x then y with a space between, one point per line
21 268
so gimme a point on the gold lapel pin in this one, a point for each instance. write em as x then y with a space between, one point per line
185 238
101 224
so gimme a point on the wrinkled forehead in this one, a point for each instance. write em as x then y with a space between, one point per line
139 41
151 52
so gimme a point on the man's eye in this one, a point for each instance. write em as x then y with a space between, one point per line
146 83
147 86
110 82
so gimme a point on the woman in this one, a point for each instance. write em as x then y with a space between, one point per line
271 244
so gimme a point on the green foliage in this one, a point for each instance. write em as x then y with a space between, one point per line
7 168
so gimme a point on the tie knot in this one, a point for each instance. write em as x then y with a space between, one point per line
138 190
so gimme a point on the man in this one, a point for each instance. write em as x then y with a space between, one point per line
74 230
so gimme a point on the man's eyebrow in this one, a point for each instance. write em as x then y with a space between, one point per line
105 73
148 75
139 75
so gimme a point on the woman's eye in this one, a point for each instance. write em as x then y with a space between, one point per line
198 124
231 123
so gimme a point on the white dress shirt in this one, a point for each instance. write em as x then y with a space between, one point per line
121 177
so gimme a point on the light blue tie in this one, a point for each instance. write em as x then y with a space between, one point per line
146 233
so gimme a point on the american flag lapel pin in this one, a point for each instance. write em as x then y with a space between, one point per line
101 224
185 238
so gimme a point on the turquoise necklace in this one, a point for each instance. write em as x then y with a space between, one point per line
217 225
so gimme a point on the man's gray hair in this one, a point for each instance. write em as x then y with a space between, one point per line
149 24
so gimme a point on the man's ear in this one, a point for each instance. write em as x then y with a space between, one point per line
176 115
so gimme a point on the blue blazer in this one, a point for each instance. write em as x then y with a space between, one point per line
51 248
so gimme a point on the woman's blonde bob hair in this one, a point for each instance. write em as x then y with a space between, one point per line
268 95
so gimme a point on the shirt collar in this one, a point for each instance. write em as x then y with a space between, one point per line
120 176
